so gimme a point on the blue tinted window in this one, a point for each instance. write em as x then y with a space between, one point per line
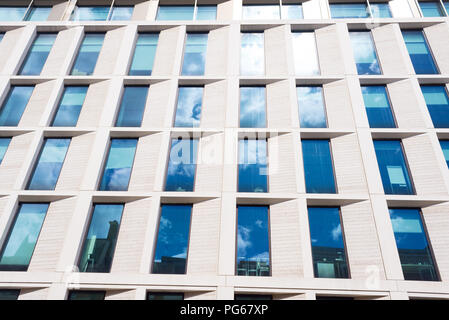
86 295
312 113
175 13
14 105
12 13
195 54
253 171
99 245
252 55
144 54
88 54
261 12
165 296
9 294
392 166
133 105
206 13
328 247
377 107
188 111
70 106
122 13
349 10
49 164
438 105
22 237
182 165
431 9
38 14
413 246
364 53
419 52
380 10
446 6
172 240
38 54
252 107
4 144
292 11
318 168
92 13
1 36
253 241
445 147
117 170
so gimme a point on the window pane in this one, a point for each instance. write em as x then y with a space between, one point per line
93 13
12 13
419 52
253 170
364 53
312 113
175 13
9 294
48 167
70 106
438 105
252 107
318 168
38 14
252 59
122 13
188 110
292 11
132 107
253 241
144 54
328 248
206 13
173 239
99 245
431 9
194 54
413 246
446 6
86 295
88 54
445 147
349 10
182 165
377 107
252 297
21 240
14 105
261 12
117 171
380 10
4 144
38 54
305 54
392 166
165 296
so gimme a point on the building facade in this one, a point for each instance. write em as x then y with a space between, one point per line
221 149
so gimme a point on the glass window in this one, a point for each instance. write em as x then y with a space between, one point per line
175 13
253 170
413 246
444 146
99 245
86 295
312 113
253 241
446 6
292 11
117 170
181 165
194 54
349 10
122 13
9 294
91 13
380 10
252 297
173 239
1 36
252 107
38 54
8 13
334 298
305 54
419 52
206 12
252 57
364 53
377 107
70 106
392 166
88 54
4 144
21 240
328 247
14 105
38 13
261 12
318 167
165 296
438 105
431 9
188 110
49 164
132 107
144 54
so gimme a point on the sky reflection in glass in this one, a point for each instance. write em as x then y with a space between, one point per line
253 169
364 53
305 54
88 54
92 13
14 105
445 147
188 110
438 105
419 52
261 12
312 113
4 144
70 106
144 54
175 13
182 165
252 107
194 54
431 9
132 107
377 107
349 10
252 56
318 167
38 54
122 13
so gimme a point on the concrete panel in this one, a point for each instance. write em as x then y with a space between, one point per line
90 114
330 54
14 47
276 51
57 11
120 295
282 164
216 57
33 294
209 169
214 105
158 112
37 104
108 57
436 36
211 295
279 105
338 105
169 51
143 10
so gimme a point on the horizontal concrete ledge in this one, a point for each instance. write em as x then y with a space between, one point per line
315 80
374 294
13 131
413 201
197 81
432 79
326 133
192 132
379 79
255 200
53 132
42 196
185 198
126 132
259 133
394 133
341 200
258 80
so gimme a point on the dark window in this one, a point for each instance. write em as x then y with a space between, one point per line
86 295
9 294
252 297
318 167
165 296
132 107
